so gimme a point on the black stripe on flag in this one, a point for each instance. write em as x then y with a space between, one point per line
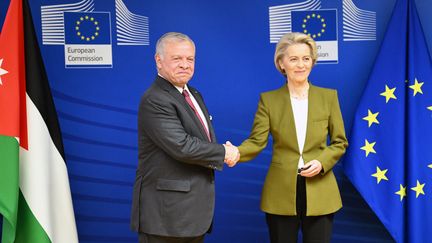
37 85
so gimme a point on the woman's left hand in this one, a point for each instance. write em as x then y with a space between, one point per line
314 167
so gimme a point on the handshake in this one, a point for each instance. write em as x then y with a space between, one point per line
232 154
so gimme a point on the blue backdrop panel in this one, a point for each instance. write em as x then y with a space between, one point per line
97 107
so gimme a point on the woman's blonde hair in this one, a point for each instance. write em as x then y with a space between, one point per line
290 39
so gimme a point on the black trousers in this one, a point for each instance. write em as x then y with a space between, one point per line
147 238
315 229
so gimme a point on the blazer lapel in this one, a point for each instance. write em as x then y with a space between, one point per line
288 119
312 102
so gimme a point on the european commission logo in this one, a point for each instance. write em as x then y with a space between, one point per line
86 34
87 39
321 25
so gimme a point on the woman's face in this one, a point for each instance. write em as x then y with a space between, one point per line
297 63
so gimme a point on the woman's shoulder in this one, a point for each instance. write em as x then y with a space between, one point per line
322 90
275 92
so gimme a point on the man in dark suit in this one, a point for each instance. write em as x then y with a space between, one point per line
173 197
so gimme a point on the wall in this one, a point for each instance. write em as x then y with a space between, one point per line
97 108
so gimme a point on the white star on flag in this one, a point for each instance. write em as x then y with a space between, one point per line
2 71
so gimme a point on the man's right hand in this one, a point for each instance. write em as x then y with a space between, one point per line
232 154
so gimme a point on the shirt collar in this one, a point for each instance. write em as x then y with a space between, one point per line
180 89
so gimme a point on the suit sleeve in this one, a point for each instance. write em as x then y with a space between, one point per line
160 121
258 137
338 141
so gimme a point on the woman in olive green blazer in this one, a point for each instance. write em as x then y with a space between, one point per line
295 56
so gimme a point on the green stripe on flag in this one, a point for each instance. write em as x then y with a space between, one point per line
9 170
28 228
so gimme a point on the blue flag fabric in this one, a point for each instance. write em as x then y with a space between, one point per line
389 160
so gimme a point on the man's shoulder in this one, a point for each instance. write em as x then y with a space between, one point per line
154 94
153 90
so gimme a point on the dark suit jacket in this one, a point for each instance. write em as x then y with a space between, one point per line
174 186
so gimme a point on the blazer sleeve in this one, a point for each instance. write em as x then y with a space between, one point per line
258 137
338 141
162 124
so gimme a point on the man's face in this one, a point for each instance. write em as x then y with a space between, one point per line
177 62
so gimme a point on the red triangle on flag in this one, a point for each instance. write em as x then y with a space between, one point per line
13 119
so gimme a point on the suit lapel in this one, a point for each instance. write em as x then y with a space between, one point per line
200 102
167 86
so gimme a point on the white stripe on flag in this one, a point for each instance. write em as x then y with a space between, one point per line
44 181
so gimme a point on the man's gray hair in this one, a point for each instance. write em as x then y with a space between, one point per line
171 36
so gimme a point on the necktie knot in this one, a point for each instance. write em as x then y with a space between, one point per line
185 93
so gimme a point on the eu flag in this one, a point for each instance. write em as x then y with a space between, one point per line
390 157
319 24
87 28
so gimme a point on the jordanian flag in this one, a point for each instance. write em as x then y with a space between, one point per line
35 199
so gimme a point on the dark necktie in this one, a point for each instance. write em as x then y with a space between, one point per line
185 93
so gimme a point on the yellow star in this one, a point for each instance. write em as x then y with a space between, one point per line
430 108
418 189
371 118
417 87
401 192
389 93
368 147
430 166
380 174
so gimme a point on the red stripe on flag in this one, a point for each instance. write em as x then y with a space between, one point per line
13 121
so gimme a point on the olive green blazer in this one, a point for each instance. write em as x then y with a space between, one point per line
274 115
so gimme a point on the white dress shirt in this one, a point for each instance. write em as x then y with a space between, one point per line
197 106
